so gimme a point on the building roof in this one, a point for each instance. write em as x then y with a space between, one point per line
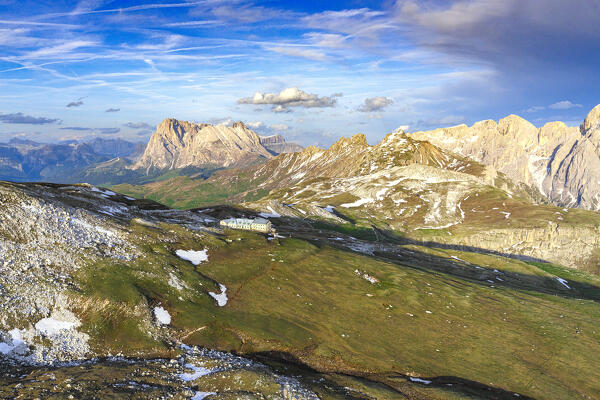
246 221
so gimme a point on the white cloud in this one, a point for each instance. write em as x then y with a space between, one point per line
255 124
291 97
564 105
300 52
535 109
279 127
372 104
60 49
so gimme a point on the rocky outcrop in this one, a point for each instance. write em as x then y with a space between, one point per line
179 144
572 246
560 162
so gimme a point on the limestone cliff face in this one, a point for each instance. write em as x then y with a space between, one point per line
178 144
572 246
561 162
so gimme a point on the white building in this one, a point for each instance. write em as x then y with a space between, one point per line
257 224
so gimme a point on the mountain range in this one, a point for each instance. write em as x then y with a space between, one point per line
560 162
403 187
182 146
27 160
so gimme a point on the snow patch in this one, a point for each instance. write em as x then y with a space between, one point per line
419 380
51 326
194 256
202 395
329 209
357 203
273 214
563 282
16 340
162 316
221 298
198 372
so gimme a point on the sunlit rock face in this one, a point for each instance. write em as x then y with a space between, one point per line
561 162
180 144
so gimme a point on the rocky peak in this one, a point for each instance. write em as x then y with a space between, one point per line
358 140
239 124
179 144
312 150
592 120
518 130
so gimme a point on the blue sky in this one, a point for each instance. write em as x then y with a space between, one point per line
310 70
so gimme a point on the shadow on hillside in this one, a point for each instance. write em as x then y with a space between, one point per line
387 246
289 364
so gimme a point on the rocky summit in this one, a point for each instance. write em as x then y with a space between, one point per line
179 144
562 163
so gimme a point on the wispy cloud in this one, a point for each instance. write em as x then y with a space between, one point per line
87 11
59 49
138 125
76 103
300 52
112 110
564 105
20 118
109 131
559 105
193 24
75 128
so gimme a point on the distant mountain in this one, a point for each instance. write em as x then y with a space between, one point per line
27 160
117 148
560 162
276 144
180 144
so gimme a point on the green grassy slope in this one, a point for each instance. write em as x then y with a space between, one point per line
429 316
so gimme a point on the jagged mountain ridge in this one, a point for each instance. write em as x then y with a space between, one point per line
415 188
406 186
561 162
180 144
